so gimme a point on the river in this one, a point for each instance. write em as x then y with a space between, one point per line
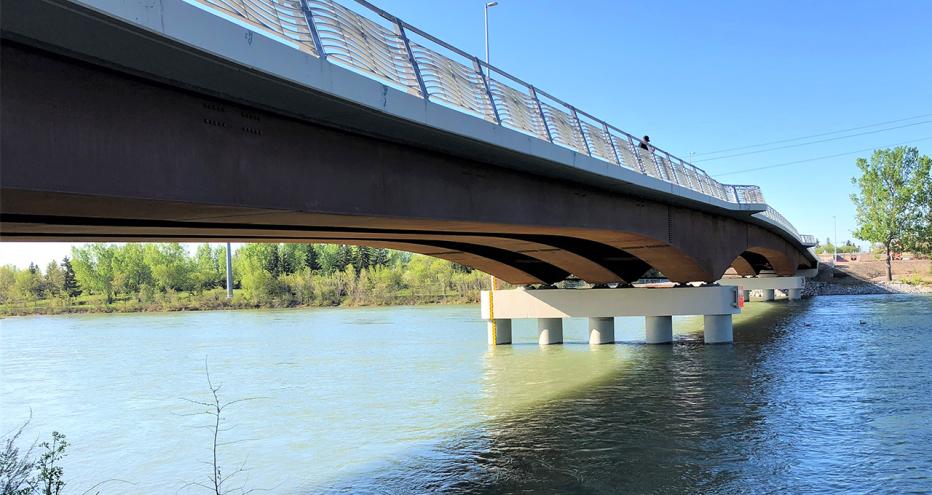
826 395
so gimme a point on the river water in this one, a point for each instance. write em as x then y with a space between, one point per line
826 395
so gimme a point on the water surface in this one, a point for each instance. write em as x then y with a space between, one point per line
820 396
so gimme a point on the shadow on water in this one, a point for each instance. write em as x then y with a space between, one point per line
645 419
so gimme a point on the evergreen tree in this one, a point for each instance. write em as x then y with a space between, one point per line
54 279
310 257
380 257
344 257
273 260
71 288
361 259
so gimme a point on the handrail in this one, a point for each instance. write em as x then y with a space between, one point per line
345 37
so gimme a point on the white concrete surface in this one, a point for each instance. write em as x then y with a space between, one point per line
549 330
502 331
717 329
658 329
601 330
794 294
586 303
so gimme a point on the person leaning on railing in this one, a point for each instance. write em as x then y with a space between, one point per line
645 144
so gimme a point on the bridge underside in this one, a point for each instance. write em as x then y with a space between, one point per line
89 153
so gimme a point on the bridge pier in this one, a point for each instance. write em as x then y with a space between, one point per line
549 331
502 331
657 305
717 329
794 294
601 330
658 329
768 295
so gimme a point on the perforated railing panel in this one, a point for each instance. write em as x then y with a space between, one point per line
517 110
278 17
353 40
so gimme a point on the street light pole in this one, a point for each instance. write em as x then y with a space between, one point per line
229 272
488 5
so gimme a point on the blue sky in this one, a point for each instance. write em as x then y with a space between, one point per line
705 76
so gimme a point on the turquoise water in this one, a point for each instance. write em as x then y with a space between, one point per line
827 395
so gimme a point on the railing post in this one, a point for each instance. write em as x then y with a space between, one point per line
309 17
540 110
637 155
400 30
676 179
579 126
735 190
611 141
488 88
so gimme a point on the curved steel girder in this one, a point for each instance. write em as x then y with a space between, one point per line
743 267
778 261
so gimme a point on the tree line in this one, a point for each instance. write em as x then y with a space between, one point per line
165 276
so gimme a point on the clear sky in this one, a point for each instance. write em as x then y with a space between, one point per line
705 76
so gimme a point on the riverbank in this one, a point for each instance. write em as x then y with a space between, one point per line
861 279
216 300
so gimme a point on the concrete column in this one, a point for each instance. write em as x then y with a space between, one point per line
601 330
502 331
768 294
549 331
747 295
794 294
658 329
718 329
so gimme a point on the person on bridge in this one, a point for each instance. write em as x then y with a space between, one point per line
645 143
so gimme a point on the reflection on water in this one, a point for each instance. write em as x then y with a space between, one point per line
826 395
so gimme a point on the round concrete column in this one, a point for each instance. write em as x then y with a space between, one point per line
502 332
794 294
601 330
549 331
658 329
768 294
718 329
747 295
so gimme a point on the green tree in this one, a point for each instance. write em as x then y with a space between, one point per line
54 279
209 267
344 257
28 284
893 202
130 271
7 283
253 263
380 257
171 268
93 268
71 282
361 259
310 257
293 258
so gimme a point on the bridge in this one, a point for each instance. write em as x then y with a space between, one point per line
315 121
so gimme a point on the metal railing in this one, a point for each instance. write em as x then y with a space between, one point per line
377 44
